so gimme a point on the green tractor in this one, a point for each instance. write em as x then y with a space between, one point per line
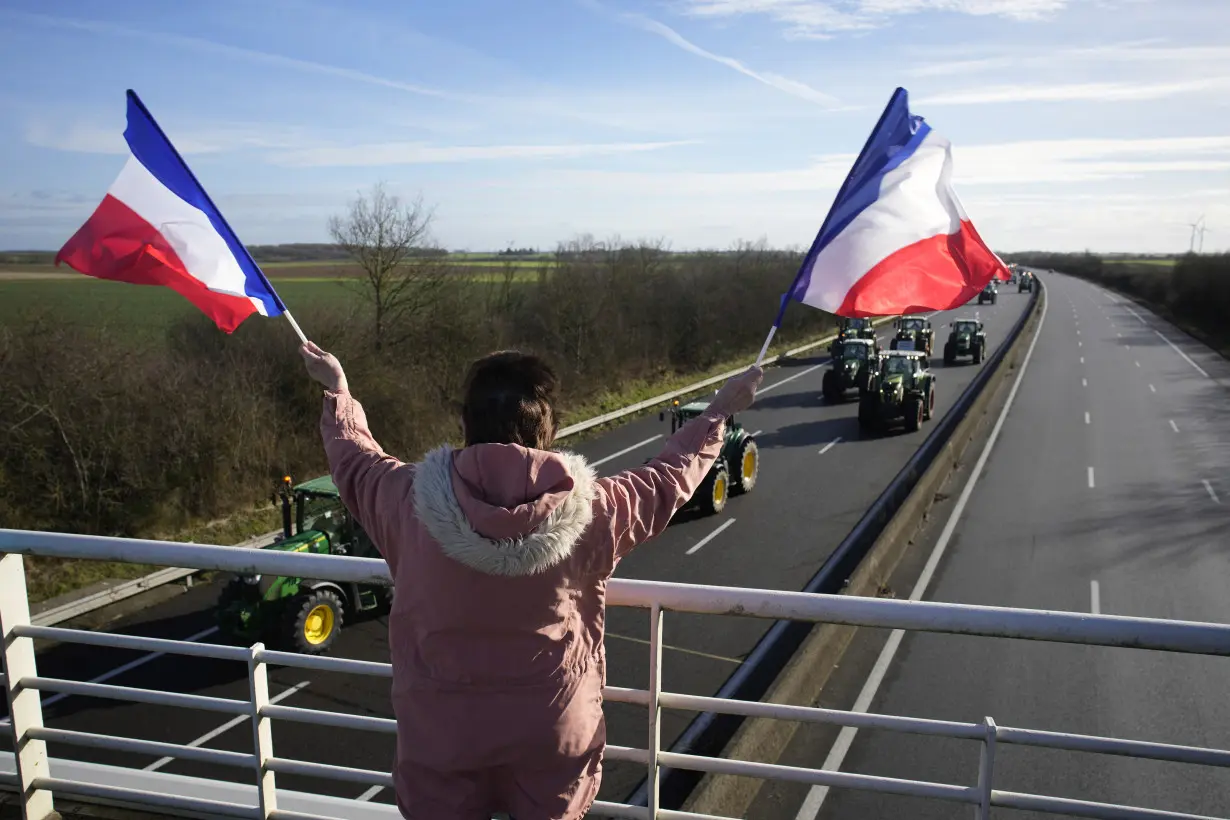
736 467
1025 282
854 328
854 360
967 338
913 333
303 614
902 390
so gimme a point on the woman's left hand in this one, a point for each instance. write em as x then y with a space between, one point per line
323 367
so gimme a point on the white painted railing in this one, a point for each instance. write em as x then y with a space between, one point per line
37 778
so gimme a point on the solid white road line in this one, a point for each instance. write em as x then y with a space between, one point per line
1091 478
1212 494
119 670
1174 426
1087 417
625 451
1152 389
225 727
829 446
817 794
776 385
709 537
1187 358
370 793
1095 598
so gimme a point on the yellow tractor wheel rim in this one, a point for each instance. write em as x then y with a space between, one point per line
319 624
719 490
749 464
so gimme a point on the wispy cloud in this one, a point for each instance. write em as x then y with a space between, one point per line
1116 53
1083 92
222 49
409 153
786 84
89 138
824 18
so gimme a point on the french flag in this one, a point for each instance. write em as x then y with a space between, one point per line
157 226
897 239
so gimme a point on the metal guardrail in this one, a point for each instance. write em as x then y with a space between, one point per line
710 731
120 592
35 782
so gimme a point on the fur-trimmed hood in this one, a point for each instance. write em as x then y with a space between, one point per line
503 509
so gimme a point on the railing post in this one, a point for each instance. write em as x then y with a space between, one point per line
655 707
262 733
986 767
25 708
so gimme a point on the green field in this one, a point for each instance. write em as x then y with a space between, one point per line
1157 263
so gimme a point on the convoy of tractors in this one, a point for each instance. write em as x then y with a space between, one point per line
894 387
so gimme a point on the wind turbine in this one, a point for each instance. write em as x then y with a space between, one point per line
1198 225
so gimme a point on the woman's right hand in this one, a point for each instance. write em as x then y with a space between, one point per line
738 394
323 367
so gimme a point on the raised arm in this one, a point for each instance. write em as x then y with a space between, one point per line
373 485
635 505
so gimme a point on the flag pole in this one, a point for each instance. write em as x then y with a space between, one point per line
226 225
811 253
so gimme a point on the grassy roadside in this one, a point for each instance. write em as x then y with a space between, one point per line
50 577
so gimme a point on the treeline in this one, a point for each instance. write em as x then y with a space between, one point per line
1194 291
104 435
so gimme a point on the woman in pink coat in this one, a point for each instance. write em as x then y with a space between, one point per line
500 554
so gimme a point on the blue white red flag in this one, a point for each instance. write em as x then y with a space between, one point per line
897 239
157 226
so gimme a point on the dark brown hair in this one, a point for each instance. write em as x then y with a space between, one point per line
510 399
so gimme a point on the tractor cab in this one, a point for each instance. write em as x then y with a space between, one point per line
303 614
913 333
856 328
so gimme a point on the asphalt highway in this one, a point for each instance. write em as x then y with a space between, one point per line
1105 492
817 476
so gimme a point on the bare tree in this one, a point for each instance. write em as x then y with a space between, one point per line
403 273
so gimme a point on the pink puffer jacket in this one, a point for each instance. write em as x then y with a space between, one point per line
500 556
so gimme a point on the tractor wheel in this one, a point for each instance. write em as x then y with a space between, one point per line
748 466
913 414
950 354
929 406
892 345
978 354
829 386
313 621
715 489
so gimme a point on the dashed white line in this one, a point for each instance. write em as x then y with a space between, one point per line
1078 331
225 727
776 385
370 793
1212 494
1138 364
1091 478
1152 389
1084 382
1082 359
1080 344
1095 598
625 450
830 445
758 432
1087 417
709 537
1174 426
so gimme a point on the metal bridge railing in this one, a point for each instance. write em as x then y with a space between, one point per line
37 784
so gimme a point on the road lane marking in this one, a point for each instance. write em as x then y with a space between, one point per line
119 670
758 432
841 747
370 793
1152 389
1199 369
1095 598
709 537
1084 382
830 445
1138 364
1212 493
1091 478
1082 359
625 451
791 378
1080 344
225 727
696 652
1078 331
1174 426
1087 417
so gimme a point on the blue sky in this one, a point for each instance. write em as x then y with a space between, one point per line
1101 124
